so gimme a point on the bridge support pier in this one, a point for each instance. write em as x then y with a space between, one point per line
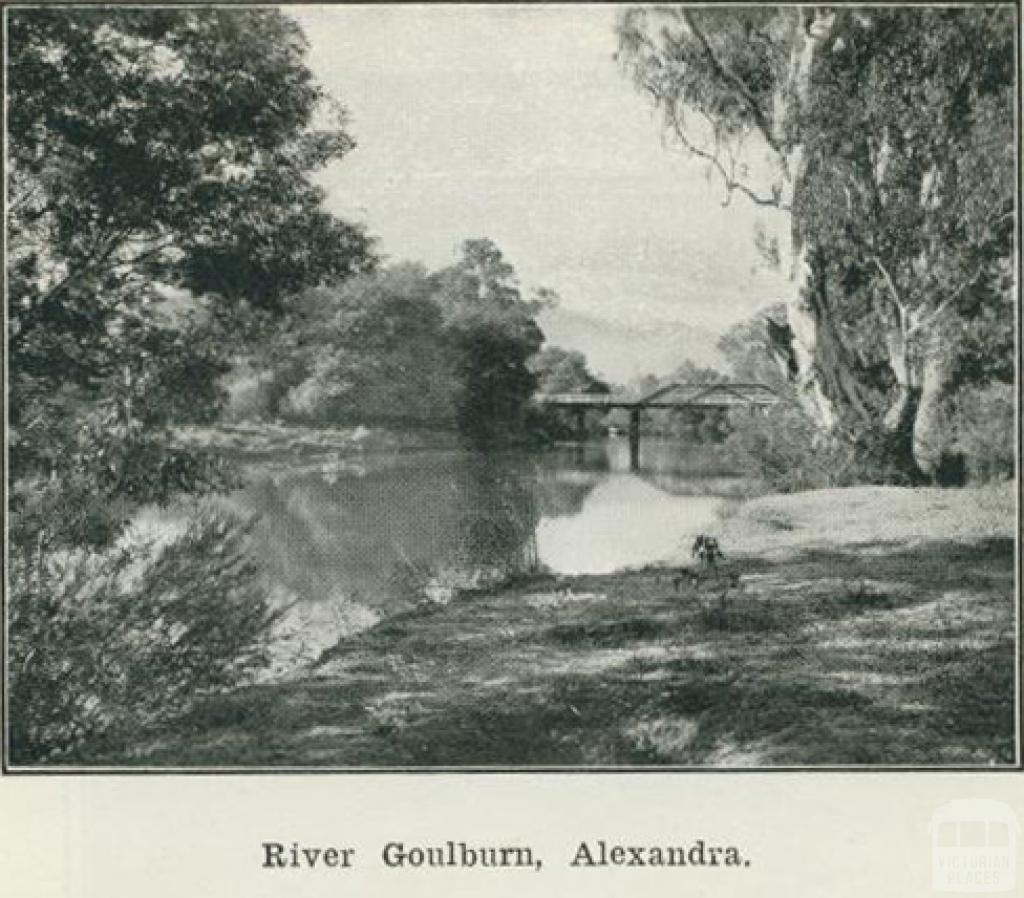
581 424
634 438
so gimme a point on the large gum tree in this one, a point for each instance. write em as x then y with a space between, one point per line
879 145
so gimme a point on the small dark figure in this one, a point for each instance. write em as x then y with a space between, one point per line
707 551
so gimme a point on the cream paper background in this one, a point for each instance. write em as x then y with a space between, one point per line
190 836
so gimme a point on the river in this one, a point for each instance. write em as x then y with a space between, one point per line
354 541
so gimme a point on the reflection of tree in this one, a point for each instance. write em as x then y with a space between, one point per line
387 535
499 516
563 495
322 539
581 457
675 458
289 544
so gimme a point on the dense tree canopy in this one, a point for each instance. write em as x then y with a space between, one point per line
159 166
371 350
564 371
167 145
494 334
406 347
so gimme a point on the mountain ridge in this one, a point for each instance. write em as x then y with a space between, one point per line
621 352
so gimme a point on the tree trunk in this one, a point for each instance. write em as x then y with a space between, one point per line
898 421
806 325
929 441
900 416
826 372
825 375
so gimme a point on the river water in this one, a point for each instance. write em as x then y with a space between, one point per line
353 541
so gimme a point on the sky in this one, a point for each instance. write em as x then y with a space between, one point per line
516 123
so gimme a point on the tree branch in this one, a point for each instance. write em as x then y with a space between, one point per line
103 262
731 184
893 292
76 274
17 202
723 71
146 254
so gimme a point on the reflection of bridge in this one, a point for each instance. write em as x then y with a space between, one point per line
720 397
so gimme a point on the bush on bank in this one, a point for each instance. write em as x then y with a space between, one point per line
106 642
785 451
982 424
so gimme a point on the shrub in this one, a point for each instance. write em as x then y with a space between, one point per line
84 494
105 643
983 426
786 451
781 448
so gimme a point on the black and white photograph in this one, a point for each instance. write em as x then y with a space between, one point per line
511 387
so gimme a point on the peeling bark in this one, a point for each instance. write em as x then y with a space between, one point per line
827 377
900 416
929 441
808 351
824 375
898 421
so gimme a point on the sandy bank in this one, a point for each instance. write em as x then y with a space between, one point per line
869 514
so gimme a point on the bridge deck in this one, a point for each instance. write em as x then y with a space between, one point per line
721 395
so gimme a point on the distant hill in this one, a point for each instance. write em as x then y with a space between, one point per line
622 353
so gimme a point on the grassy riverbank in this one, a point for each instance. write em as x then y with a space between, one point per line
870 626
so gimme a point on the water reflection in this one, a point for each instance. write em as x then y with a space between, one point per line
598 515
382 535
